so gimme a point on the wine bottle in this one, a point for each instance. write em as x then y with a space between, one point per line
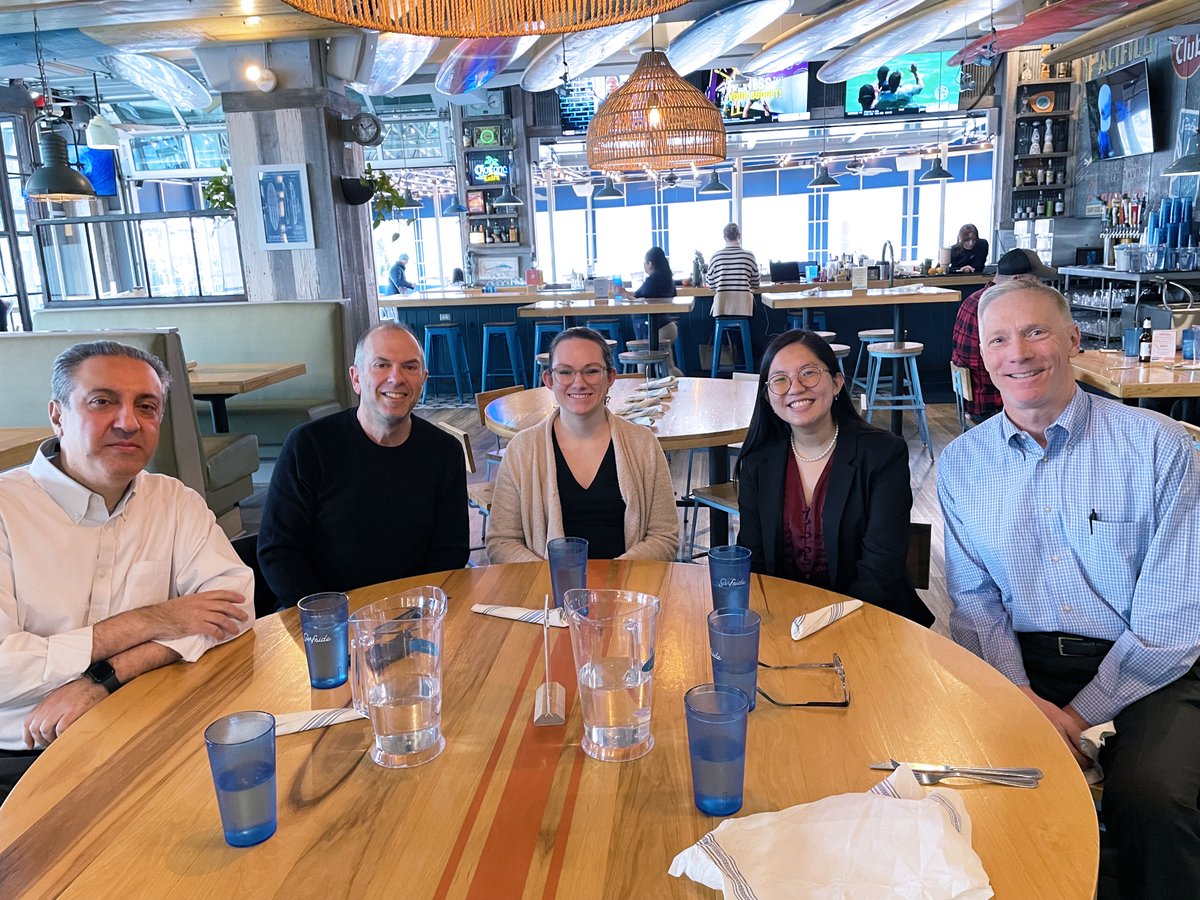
1144 341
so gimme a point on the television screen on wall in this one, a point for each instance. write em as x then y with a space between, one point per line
745 99
1118 107
909 84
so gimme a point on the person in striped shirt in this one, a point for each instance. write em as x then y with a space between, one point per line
732 276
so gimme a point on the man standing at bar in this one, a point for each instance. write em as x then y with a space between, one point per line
368 494
106 571
733 278
397 280
1072 523
1015 265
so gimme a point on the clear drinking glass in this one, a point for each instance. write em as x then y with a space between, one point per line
241 754
323 619
568 558
716 726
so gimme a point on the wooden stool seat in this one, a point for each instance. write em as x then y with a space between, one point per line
892 349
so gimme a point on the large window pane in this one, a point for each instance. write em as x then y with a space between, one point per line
622 239
570 241
161 153
774 228
696 225
861 220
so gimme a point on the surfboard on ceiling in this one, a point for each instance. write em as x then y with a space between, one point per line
160 78
1043 23
844 22
583 50
903 36
397 58
1148 20
475 61
718 33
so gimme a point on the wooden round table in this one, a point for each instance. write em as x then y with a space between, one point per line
707 413
125 799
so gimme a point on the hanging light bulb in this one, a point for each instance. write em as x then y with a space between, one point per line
100 133
937 171
608 192
715 185
822 178
54 180
654 116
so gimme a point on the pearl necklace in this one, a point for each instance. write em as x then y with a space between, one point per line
824 453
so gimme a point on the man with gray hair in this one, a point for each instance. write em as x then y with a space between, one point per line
106 571
368 494
1072 523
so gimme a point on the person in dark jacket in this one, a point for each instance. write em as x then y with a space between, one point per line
970 253
824 498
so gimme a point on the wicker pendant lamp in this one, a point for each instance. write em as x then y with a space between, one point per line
483 18
655 120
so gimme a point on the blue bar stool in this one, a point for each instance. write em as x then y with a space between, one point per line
796 320
654 363
609 326
516 362
731 324
866 337
543 328
841 351
907 351
456 351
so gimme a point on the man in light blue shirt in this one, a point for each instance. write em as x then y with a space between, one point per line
1072 524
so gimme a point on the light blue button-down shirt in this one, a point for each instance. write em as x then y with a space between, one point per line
1095 535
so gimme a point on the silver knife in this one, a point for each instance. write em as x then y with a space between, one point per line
892 764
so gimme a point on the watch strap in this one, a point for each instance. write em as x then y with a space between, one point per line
102 673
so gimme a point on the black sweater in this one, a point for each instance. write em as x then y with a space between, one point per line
343 512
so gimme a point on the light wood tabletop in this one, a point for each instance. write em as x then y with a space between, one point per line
828 299
217 382
17 445
1125 377
512 810
703 412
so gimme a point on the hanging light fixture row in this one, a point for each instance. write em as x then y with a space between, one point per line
655 120
483 18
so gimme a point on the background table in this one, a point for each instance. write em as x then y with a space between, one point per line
217 382
509 810
570 310
1124 377
17 445
704 413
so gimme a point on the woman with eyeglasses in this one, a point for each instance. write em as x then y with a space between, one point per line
583 472
824 498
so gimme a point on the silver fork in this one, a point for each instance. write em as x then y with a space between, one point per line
1009 780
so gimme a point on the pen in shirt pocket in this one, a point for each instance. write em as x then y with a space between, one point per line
1092 519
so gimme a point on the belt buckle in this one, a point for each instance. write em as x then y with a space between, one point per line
1062 650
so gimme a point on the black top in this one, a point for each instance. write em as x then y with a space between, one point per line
596 513
343 512
976 257
657 285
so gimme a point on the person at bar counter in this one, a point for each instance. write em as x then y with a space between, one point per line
733 277
970 253
659 285
583 472
1015 265
823 497
1072 523
106 571
398 283
369 494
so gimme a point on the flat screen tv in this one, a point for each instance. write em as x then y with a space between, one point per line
755 99
913 83
1118 107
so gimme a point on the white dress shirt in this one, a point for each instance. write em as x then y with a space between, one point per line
66 564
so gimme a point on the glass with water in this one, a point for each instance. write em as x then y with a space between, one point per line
241 754
612 636
323 621
398 667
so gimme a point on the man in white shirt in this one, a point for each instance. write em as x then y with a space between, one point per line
106 571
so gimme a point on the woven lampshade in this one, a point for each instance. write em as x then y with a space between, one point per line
655 120
482 18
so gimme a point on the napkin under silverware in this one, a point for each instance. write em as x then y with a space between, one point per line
558 618
811 623
306 720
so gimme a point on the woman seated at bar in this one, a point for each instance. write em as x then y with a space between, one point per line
583 472
659 285
970 253
824 497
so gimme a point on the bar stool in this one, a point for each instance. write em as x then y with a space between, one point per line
827 335
543 328
516 362
907 352
796 319
654 363
609 326
725 324
456 351
866 337
841 351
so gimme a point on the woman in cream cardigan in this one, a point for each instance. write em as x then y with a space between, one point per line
583 472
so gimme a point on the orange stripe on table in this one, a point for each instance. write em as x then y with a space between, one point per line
504 863
564 828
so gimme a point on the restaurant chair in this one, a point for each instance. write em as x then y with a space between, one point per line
265 601
1194 431
920 544
492 458
609 326
907 352
456 353
960 381
735 448
512 343
542 329
866 337
730 325
479 493
721 497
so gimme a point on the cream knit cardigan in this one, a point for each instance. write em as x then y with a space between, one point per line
525 506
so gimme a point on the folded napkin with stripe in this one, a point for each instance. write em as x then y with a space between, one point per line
642 403
290 723
639 393
521 614
666 381
893 841
811 623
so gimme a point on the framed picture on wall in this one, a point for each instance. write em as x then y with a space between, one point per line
476 202
287 222
497 269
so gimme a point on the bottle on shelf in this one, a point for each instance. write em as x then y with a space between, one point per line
1035 141
1144 341
1049 207
1059 206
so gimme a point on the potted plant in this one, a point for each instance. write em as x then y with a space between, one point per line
387 196
218 191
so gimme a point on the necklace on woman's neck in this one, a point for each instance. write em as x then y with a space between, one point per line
824 453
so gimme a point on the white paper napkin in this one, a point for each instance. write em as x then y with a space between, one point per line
893 841
640 393
1091 740
811 623
648 421
290 723
667 381
642 403
558 618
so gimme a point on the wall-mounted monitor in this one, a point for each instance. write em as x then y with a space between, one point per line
746 99
1118 107
910 84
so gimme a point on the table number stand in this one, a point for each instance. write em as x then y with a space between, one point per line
550 702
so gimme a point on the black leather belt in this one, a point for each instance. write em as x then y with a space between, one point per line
1064 644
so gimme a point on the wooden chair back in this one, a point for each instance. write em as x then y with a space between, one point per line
960 379
483 398
464 441
920 541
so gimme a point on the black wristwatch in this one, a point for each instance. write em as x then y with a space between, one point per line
103 673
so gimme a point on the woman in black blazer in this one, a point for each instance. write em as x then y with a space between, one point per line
824 497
